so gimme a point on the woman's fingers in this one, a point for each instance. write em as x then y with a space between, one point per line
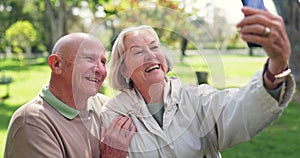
131 133
119 133
268 30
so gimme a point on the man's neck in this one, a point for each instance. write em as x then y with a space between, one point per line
67 97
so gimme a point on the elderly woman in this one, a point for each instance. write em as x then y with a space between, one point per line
196 121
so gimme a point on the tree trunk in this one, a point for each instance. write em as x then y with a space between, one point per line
202 77
290 12
58 20
250 51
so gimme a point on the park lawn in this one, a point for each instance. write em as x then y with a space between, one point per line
27 82
279 140
223 70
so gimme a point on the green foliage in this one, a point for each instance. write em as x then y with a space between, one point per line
171 24
35 9
211 45
17 50
21 35
235 42
165 15
10 12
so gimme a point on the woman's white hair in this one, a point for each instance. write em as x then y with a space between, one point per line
117 80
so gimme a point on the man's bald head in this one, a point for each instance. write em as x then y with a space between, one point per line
77 63
71 43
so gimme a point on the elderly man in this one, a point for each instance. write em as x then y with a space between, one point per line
64 119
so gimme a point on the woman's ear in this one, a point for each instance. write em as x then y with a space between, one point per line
123 71
56 63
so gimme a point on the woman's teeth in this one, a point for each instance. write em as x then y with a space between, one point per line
152 68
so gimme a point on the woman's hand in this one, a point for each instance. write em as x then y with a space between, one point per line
268 30
116 139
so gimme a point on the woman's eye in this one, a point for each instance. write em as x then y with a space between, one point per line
154 47
103 62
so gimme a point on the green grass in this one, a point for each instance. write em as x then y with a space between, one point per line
223 71
280 140
277 141
27 82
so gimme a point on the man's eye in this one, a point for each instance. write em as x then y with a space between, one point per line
90 58
139 52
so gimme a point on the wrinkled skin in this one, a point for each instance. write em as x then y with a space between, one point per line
116 139
276 44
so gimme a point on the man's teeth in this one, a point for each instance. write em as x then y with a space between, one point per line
92 79
152 68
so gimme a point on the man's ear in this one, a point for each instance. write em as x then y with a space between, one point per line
56 63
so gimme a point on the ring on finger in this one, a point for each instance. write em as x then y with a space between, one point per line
267 31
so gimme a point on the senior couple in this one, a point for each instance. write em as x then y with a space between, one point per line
153 115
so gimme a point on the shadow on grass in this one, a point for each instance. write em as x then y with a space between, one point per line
6 112
16 65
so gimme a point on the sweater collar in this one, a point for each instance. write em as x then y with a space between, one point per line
64 109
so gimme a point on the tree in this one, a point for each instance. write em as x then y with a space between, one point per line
168 19
61 17
35 13
290 11
10 12
21 35
58 12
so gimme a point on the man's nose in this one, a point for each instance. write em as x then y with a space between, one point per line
99 66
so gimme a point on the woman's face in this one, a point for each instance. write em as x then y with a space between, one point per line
145 64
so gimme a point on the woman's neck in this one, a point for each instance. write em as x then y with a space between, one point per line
152 93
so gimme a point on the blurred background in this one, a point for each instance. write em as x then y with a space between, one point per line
199 35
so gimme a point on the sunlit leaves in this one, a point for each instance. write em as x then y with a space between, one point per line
21 34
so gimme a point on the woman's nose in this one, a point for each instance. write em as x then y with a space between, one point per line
150 54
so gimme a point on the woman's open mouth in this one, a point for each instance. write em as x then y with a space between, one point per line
152 68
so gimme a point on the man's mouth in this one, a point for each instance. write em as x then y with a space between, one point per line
152 68
92 79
